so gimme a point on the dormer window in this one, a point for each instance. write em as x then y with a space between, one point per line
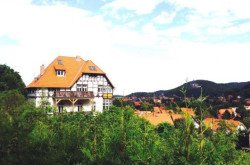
59 62
92 68
60 73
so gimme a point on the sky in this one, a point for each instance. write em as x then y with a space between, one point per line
142 45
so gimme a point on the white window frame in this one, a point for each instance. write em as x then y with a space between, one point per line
106 103
82 87
60 73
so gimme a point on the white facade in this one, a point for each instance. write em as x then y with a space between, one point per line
97 85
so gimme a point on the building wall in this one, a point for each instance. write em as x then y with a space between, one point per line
98 104
93 82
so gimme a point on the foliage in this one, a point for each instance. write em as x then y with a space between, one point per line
246 121
10 79
243 112
121 103
30 136
145 106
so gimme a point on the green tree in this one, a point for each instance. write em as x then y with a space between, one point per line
10 79
246 121
145 106
30 136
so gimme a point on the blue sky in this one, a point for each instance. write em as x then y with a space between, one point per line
142 45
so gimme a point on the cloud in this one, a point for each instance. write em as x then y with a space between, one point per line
208 19
43 32
165 18
144 59
222 7
138 6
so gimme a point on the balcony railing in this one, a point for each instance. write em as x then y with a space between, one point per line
73 94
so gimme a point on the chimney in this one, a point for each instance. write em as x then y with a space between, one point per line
78 58
42 69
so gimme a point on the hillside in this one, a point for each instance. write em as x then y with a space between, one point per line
209 88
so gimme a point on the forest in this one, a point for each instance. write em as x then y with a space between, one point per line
29 135
209 88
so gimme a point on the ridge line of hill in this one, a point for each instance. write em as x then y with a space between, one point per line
209 88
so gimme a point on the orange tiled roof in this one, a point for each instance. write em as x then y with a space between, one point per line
231 111
167 111
177 116
188 110
157 109
74 68
155 118
214 124
222 111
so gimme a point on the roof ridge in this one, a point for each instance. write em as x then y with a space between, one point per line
80 70
69 56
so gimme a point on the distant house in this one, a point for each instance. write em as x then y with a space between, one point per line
137 103
247 107
231 125
231 111
156 119
157 101
125 99
188 110
72 84
160 115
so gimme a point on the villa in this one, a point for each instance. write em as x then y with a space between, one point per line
72 84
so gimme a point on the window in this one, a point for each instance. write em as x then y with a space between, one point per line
106 103
109 90
79 108
31 91
81 87
60 108
84 88
51 89
60 72
100 88
92 68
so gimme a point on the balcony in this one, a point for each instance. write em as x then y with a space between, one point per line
73 94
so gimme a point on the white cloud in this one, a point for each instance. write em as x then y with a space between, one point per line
221 7
212 17
138 6
165 18
47 31
144 60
